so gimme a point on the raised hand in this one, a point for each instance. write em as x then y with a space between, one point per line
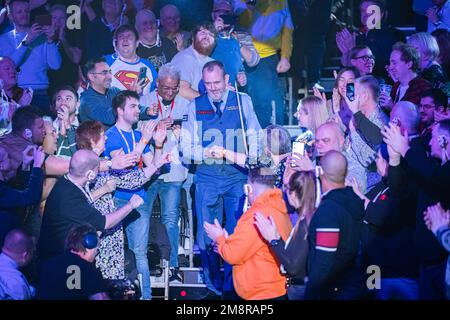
160 135
110 185
136 201
266 227
394 138
436 217
120 160
38 157
214 231
148 129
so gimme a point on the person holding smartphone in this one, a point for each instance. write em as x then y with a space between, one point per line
168 106
33 50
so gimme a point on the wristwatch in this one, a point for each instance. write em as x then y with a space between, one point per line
109 164
274 242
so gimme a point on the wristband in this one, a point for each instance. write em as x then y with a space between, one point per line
158 147
144 141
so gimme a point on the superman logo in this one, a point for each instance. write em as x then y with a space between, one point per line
127 77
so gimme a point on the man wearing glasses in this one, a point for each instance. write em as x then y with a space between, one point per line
166 105
96 101
433 103
362 58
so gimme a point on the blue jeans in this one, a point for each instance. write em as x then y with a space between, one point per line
398 289
137 225
211 200
264 86
169 195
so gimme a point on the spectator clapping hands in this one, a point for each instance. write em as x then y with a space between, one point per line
436 217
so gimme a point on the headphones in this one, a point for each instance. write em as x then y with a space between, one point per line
442 140
91 175
28 134
90 240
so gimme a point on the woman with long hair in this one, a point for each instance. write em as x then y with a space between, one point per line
292 254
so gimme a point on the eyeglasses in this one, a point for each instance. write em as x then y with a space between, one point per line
366 58
164 88
427 106
104 72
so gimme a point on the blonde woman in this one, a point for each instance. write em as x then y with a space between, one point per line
312 113
428 49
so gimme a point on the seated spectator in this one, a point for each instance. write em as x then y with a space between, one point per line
96 101
433 102
293 254
12 97
72 275
377 39
439 16
428 50
311 113
69 46
387 236
66 104
12 199
191 60
69 203
99 34
152 46
334 236
17 252
442 37
170 18
404 65
33 50
362 58
256 273
126 65
27 129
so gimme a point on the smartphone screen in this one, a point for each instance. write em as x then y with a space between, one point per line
43 20
142 73
351 91
298 147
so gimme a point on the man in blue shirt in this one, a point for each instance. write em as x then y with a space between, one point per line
123 138
214 121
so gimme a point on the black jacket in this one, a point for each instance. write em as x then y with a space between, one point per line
334 238
429 182
388 234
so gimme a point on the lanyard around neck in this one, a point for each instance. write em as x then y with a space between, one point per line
160 107
126 142
86 192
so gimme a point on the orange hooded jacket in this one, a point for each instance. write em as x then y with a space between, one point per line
256 271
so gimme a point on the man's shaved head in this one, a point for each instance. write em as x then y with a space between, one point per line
334 166
329 136
18 242
408 115
82 161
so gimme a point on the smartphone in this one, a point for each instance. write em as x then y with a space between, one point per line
351 91
142 74
298 147
177 122
230 19
43 20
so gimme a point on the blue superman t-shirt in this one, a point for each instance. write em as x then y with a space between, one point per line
115 141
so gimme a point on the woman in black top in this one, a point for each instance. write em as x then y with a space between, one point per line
301 194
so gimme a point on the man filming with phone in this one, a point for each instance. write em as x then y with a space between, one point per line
33 50
166 105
